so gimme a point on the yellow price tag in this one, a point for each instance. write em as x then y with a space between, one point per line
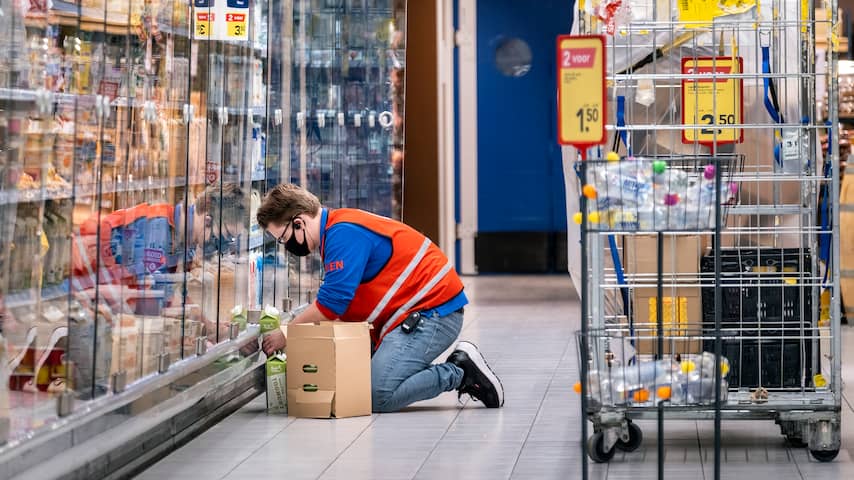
236 25
710 103
203 24
581 90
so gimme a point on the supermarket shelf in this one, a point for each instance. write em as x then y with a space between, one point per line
94 20
30 410
29 95
136 103
72 9
17 95
16 300
29 196
259 111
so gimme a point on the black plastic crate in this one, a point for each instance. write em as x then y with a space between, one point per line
765 299
772 364
776 298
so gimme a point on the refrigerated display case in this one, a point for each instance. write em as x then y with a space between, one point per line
137 139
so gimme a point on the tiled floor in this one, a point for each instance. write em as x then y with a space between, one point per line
524 327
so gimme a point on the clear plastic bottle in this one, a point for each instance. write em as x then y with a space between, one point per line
694 382
631 383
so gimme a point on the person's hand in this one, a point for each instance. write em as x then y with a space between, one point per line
273 342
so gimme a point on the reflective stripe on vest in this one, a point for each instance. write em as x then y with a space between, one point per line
417 297
399 282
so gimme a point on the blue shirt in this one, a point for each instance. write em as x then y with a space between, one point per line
354 255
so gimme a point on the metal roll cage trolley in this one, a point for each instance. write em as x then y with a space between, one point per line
715 120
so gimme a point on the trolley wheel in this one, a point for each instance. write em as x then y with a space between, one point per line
824 455
635 439
596 448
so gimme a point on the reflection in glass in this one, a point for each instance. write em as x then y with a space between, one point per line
513 57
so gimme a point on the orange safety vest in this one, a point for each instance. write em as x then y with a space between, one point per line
417 276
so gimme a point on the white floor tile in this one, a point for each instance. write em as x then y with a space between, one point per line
525 327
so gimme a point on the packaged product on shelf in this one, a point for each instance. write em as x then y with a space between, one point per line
172 331
270 319
259 92
133 238
277 389
255 277
153 341
193 327
238 315
254 205
56 262
213 287
257 151
158 244
38 147
91 359
14 64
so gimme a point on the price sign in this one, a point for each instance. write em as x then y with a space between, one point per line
236 25
710 103
203 24
581 90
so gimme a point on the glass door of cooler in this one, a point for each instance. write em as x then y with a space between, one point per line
347 96
171 327
37 132
179 325
206 93
228 86
143 188
275 31
244 138
107 233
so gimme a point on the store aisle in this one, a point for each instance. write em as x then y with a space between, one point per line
524 326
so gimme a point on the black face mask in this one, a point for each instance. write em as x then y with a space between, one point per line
297 248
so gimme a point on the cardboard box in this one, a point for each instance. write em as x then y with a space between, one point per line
329 370
681 258
682 316
277 398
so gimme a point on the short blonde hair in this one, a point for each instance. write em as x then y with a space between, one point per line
285 202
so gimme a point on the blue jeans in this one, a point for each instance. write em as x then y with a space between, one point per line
401 372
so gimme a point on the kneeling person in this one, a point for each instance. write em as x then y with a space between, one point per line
383 271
